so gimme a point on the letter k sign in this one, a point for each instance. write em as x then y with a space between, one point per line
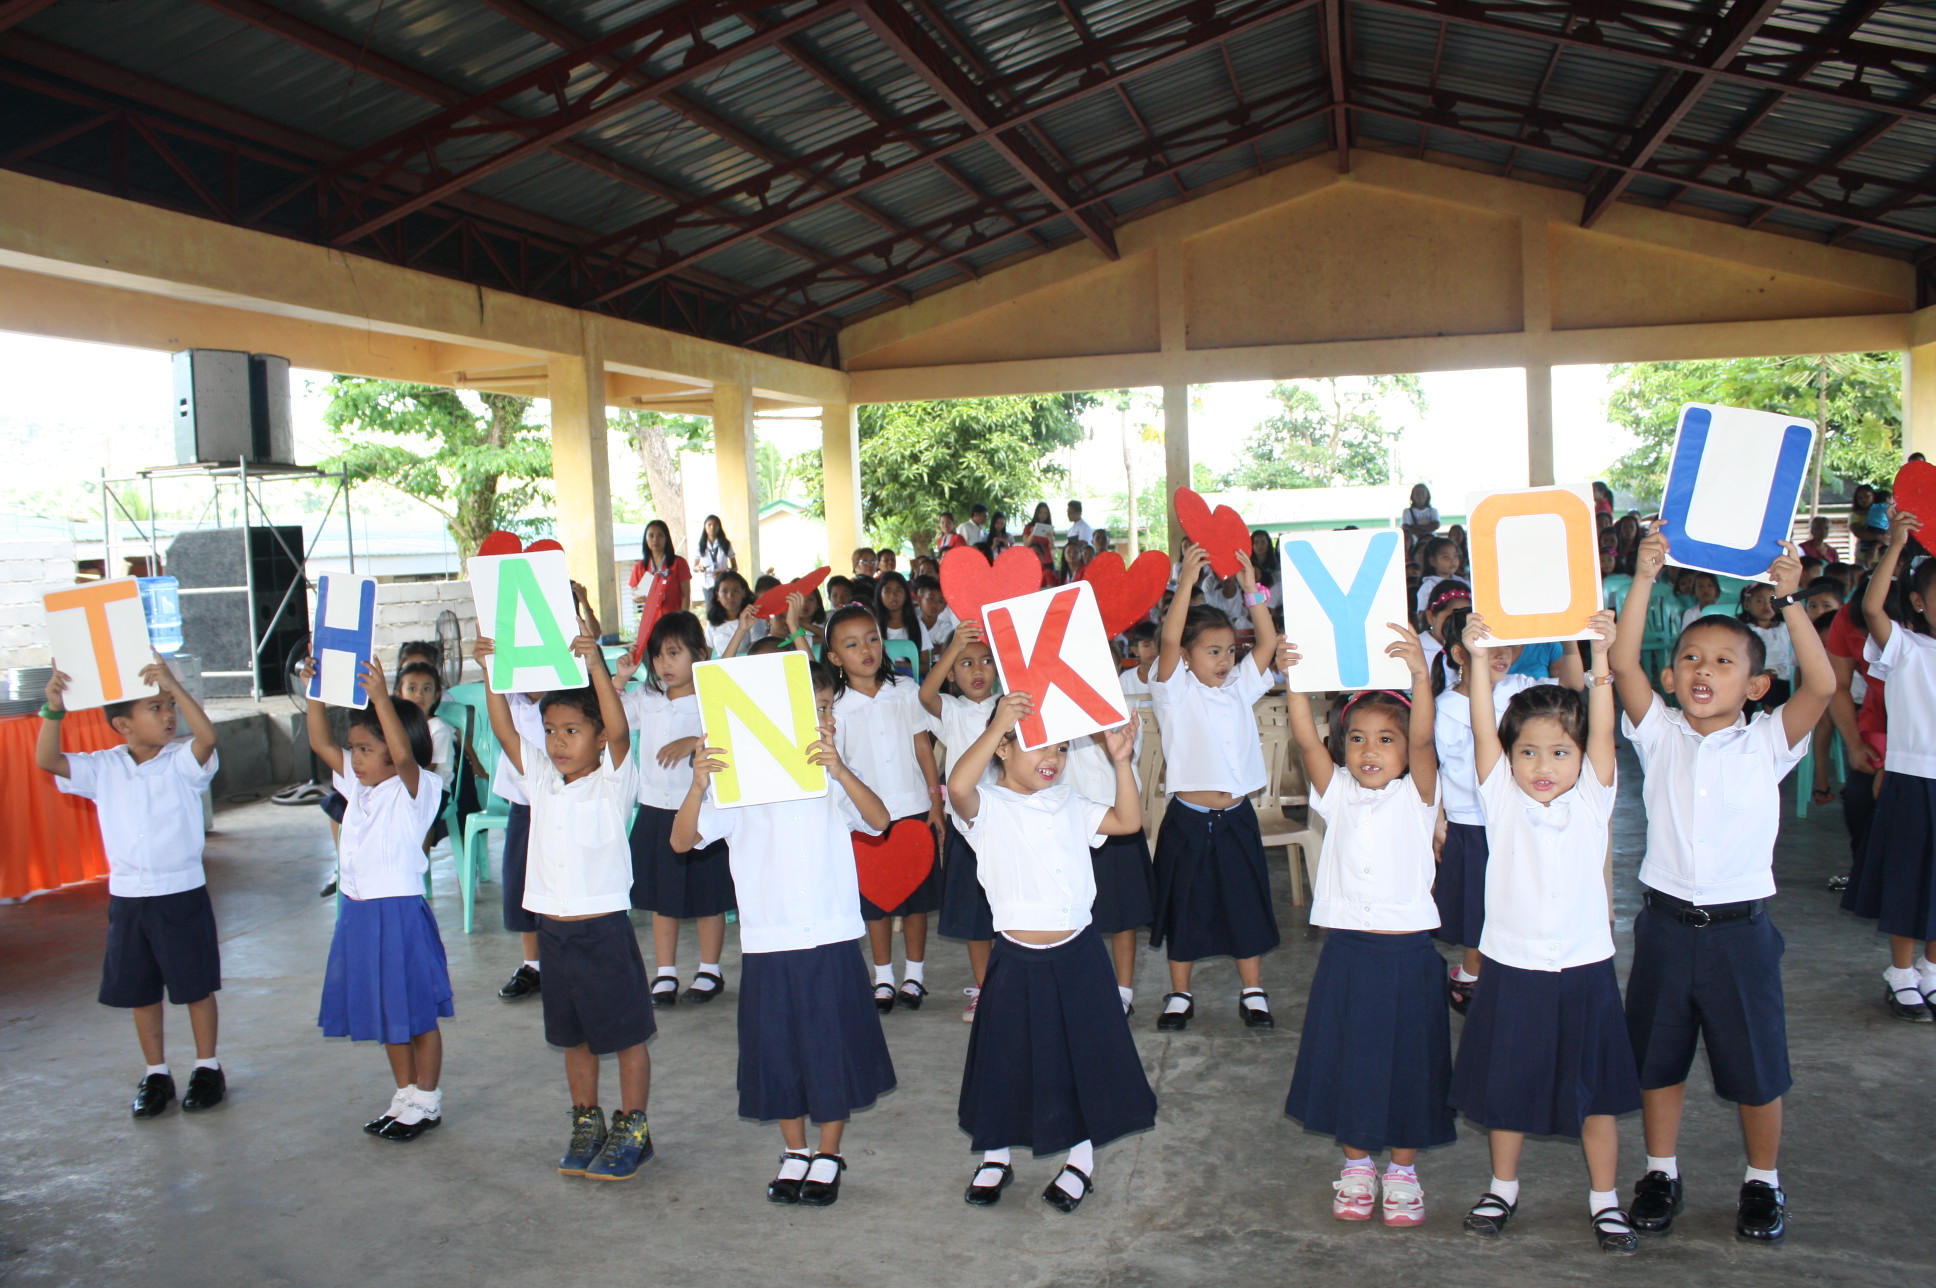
1050 645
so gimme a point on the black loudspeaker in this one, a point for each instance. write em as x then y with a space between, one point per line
215 604
232 406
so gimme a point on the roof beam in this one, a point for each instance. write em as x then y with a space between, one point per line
1334 63
15 12
1681 91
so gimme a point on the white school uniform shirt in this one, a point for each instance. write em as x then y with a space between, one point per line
1135 688
150 815
1780 649
793 869
1907 667
875 736
661 720
935 638
1032 855
1231 605
1452 736
956 728
718 637
1081 530
380 850
1210 741
1713 803
1375 867
443 750
580 860
1426 585
1546 891
971 532
529 723
1419 518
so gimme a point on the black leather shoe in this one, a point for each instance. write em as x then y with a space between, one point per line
206 1087
822 1193
1489 1217
911 994
1763 1214
1252 1017
401 1131
989 1195
668 995
1176 1021
1459 992
153 1095
884 998
783 1189
698 994
1656 1202
1615 1231
1060 1199
1907 1003
521 985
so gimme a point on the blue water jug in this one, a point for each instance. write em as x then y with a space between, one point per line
161 601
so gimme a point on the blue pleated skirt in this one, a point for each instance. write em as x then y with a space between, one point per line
1895 884
1544 1050
964 904
386 980
1125 898
1459 887
1375 1060
1213 893
810 1043
696 884
1050 1059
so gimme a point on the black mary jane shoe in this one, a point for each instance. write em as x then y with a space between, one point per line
206 1088
376 1125
694 993
524 982
1489 1216
1252 1016
911 994
1908 1003
1459 992
1616 1233
153 1095
822 1193
1656 1202
1060 1199
988 1195
1763 1214
667 996
782 1189
884 998
1176 1021
403 1132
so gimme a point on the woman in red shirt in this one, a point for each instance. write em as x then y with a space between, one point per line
661 581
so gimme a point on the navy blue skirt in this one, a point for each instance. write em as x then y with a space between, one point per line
1459 888
1374 1064
964 904
1896 881
1125 897
1050 1059
698 883
1544 1050
1213 893
387 980
810 1043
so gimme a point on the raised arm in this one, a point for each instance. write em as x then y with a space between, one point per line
200 728
1424 752
938 673
1566 669
395 741
1304 726
1601 715
1875 600
503 728
968 766
1814 676
1171 651
1486 747
47 752
747 616
1263 650
1631 683
611 710
1125 817
797 623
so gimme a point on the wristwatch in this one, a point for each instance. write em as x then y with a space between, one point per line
1783 601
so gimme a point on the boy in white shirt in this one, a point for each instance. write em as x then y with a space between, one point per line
161 926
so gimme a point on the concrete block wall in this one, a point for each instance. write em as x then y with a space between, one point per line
408 610
29 570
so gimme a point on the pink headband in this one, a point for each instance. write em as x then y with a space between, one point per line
1390 693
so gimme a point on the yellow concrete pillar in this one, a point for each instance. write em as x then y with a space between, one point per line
840 480
1919 385
1536 304
1176 451
581 473
1539 425
739 476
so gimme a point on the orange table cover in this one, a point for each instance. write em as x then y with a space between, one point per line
47 839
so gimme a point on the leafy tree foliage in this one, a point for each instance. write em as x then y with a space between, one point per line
1327 433
658 439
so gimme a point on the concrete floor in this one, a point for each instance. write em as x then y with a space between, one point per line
279 1187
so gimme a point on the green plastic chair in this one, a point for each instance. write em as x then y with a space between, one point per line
906 651
472 857
1664 613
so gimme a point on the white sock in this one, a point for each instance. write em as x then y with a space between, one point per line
1458 973
405 1108
793 1164
1366 1162
706 986
210 1063
990 1160
431 1102
1926 972
1402 1171
399 1102
884 975
161 1069
1900 977
1178 1003
1507 1190
914 970
1771 1176
1598 1201
531 962
824 1169
1127 994
1256 999
1670 1167
1082 1157
668 972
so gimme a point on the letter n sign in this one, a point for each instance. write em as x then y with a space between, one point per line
1051 646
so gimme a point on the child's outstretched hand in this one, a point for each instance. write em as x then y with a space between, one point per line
1477 641
749 615
1194 559
1246 572
825 753
628 666
1902 524
1786 570
158 674
1120 742
369 676
1287 655
1012 710
1651 557
1606 625
707 762
1407 648
586 647
481 652
796 614
56 690
677 750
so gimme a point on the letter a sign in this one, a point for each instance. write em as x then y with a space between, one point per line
524 605
759 711
1050 645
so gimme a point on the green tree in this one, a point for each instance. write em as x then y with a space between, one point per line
918 459
1327 433
1856 398
775 470
658 439
474 458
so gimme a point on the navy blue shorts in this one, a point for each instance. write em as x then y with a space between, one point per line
160 942
517 844
1714 985
595 990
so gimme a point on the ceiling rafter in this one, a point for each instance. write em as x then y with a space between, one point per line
15 12
1332 20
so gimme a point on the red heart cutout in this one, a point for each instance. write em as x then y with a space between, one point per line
542 543
893 865
1126 594
1222 534
774 602
1915 493
501 543
970 583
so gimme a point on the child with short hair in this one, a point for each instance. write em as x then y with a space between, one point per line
581 783
387 979
1143 650
1707 958
938 621
810 1042
161 925
958 695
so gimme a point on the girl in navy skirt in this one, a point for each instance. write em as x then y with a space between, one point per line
1051 1064
1125 902
1376 1054
387 980
810 1043
1213 895
1896 882
957 718
674 886
1545 1050
884 737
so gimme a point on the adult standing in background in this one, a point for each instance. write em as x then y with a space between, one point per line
1078 527
1041 527
976 530
1420 519
661 582
998 538
714 556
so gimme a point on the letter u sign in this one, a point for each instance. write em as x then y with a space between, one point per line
1535 564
